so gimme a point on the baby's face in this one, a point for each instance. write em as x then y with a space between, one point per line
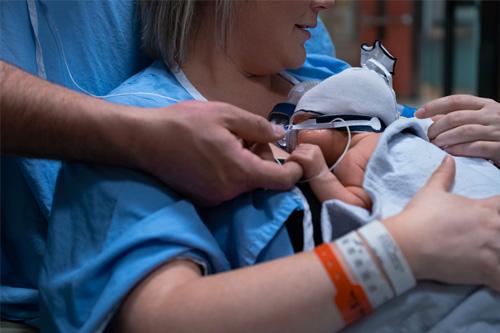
332 142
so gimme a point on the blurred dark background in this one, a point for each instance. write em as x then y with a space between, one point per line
443 47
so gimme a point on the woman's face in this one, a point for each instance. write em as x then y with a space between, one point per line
269 36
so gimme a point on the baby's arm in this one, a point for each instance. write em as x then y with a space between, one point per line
323 182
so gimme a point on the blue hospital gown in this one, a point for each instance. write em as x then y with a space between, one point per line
110 227
100 41
94 31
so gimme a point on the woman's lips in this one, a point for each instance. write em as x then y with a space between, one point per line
304 30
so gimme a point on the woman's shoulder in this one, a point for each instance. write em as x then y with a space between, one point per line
319 67
154 86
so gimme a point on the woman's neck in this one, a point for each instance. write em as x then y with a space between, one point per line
220 78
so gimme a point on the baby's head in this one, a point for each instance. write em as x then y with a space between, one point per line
359 97
356 94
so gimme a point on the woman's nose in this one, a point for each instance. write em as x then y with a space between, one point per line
318 5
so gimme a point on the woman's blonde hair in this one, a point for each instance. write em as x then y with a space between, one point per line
168 25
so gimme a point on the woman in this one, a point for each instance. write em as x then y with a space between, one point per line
147 238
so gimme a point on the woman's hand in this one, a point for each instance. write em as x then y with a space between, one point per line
465 126
447 237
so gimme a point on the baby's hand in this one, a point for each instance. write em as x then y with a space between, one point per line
311 159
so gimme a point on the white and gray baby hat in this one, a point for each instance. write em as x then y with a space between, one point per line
357 91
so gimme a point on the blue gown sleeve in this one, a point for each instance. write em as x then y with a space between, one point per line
110 228
119 225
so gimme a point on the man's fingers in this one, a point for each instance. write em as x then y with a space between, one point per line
263 151
252 127
277 177
437 118
443 123
449 104
268 174
443 176
464 134
483 149
295 171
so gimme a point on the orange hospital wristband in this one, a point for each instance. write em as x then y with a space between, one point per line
350 298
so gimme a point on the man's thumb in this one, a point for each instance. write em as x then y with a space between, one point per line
255 128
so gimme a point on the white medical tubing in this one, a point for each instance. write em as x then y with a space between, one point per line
33 13
61 47
330 169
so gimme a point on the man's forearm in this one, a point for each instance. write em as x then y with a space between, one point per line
41 119
190 146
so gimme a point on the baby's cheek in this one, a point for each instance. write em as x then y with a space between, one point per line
331 142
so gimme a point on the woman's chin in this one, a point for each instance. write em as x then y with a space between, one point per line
297 60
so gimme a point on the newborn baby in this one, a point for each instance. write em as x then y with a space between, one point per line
345 182
362 99
358 96
380 172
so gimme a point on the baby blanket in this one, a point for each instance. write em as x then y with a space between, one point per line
399 167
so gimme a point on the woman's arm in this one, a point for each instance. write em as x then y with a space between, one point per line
456 241
465 125
287 295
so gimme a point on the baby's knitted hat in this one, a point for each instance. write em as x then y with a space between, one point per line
356 93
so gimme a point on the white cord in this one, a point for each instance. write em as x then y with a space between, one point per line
349 136
137 93
33 13
330 169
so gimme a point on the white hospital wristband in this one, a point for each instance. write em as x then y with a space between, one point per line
364 269
388 252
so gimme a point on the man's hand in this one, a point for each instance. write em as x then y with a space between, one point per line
201 149
197 148
465 126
